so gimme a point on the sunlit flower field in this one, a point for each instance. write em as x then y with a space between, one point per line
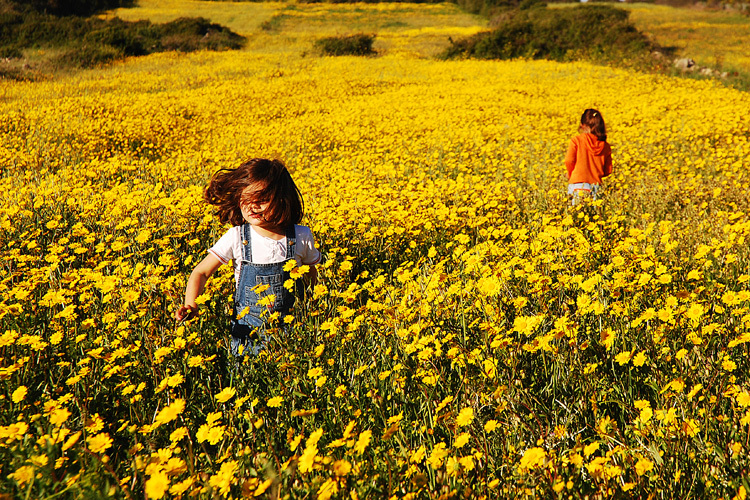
471 334
711 37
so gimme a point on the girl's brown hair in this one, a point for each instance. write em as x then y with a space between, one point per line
592 119
276 187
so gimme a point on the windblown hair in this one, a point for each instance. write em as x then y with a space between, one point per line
276 187
592 119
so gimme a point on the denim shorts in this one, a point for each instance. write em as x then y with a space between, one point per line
577 189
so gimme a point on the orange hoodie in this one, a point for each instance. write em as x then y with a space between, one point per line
588 159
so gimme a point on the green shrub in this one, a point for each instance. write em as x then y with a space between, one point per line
88 56
531 4
187 34
93 41
486 7
132 39
74 7
352 45
589 32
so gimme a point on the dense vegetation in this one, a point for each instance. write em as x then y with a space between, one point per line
67 7
79 41
588 32
351 45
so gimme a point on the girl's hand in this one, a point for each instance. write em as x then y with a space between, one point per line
185 313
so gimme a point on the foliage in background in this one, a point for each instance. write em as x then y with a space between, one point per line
65 7
359 44
87 41
589 32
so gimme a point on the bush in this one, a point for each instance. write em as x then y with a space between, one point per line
187 34
591 31
75 7
89 56
93 41
133 39
352 45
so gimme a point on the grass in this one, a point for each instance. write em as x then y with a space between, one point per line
421 30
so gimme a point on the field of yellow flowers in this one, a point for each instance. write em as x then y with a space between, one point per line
471 334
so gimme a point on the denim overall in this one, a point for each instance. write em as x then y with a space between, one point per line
249 331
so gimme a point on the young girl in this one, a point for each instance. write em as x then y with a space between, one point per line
261 201
589 157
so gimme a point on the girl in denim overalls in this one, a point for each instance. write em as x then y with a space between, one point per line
264 206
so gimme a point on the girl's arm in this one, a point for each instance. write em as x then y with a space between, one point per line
195 286
607 165
570 158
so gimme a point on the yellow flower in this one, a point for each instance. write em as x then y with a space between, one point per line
694 312
215 434
467 463
623 358
307 459
262 487
157 485
363 441
59 416
223 479
178 434
728 365
643 466
226 394
342 468
170 412
461 440
646 415
418 455
314 438
437 456
23 475
490 426
533 458
465 417
591 448
19 394
275 401
180 488
71 441
329 488
99 443
639 359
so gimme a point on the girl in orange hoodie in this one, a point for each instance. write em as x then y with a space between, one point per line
589 157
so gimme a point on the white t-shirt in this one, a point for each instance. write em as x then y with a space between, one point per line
265 250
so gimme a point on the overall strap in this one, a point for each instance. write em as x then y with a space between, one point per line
247 245
291 241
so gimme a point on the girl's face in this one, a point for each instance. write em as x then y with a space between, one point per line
252 208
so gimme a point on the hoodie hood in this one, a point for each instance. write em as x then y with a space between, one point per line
594 144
